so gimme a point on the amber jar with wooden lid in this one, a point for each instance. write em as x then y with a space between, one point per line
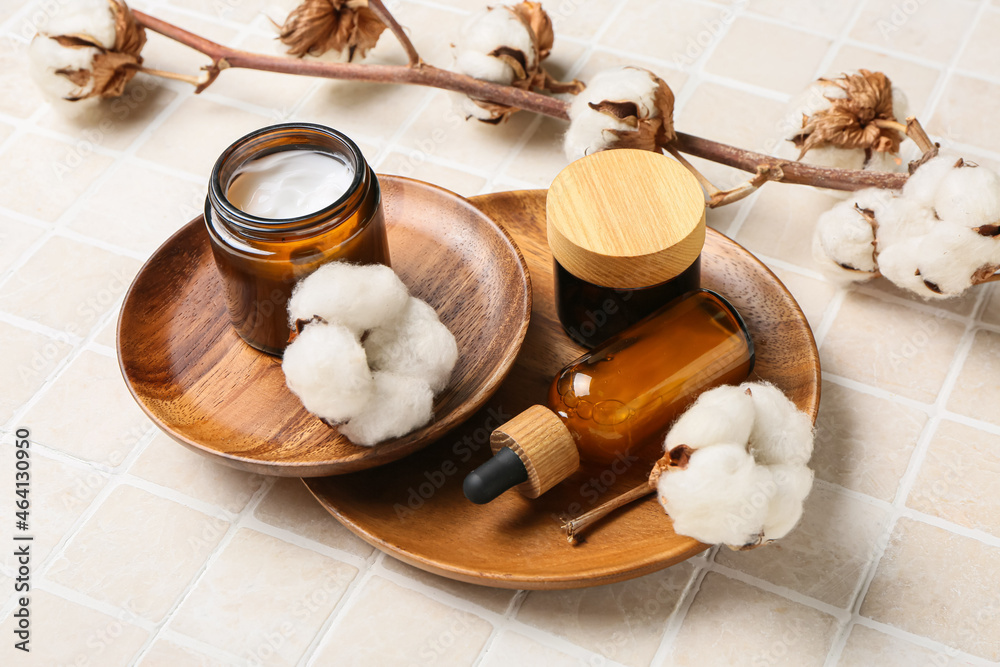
626 228
261 259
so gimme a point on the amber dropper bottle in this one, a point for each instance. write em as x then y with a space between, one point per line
618 396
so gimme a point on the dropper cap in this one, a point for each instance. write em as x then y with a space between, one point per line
534 451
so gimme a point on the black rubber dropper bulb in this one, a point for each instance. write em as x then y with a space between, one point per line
502 472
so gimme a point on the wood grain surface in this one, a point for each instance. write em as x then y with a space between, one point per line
415 510
207 389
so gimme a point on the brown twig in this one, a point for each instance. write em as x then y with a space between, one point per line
575 527
387 18
776 169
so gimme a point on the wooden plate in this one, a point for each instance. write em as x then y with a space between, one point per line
415 510
206 388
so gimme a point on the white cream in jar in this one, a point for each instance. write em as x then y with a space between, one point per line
290 183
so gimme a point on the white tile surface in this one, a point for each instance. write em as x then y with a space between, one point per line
149 554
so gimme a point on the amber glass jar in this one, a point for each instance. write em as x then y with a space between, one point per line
621 395
626 229
261 259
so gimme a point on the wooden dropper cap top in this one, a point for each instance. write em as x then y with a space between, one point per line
625 218
544 445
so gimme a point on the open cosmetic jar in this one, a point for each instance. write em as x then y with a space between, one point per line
261 258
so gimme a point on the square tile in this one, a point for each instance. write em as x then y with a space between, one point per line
825 556
139 208
238 11
495 599
813 296
66 633
623 622
735 117
45 176
957 479
960 305
290 506
389 625
580 19
88 413
731 623
916 81
417 166
770 66
980 377
172 465
684 31
263 599
58 494
991 309
982 51
957 117
825 16
15 239
864 443
931 29
197 132
512 648
279 93
67 285
19 96
901 350
165 653
940 585
866 647
781 222
28 360
114 123
142 565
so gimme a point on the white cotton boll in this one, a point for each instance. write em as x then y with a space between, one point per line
903 219
360 297
900 104
591 132
885 161
482 66
837 158
92 18
416 344
969 196
834 271
898 263
492 28
400 404
46 55
721 497
792 484
846 237
781 432
327 369
949 255
807 103
723 414
922 185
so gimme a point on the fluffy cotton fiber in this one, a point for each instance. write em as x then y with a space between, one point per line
400 404
326 367
359 297
417 344
746 480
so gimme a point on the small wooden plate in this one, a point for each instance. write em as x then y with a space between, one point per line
415 510
207 389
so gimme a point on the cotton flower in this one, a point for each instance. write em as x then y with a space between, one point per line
400 405
627 107
90 48
506 44
326 367
337 29
359 297
744 479
367 357
416 344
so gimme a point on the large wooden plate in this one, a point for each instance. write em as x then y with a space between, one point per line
414 509
207 389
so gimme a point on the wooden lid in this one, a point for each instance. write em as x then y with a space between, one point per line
625 218
544 445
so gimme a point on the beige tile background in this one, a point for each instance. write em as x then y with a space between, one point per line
149 554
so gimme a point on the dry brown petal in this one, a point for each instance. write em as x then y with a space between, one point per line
648 133
849 122
111 69
985 273
318 26
539 25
